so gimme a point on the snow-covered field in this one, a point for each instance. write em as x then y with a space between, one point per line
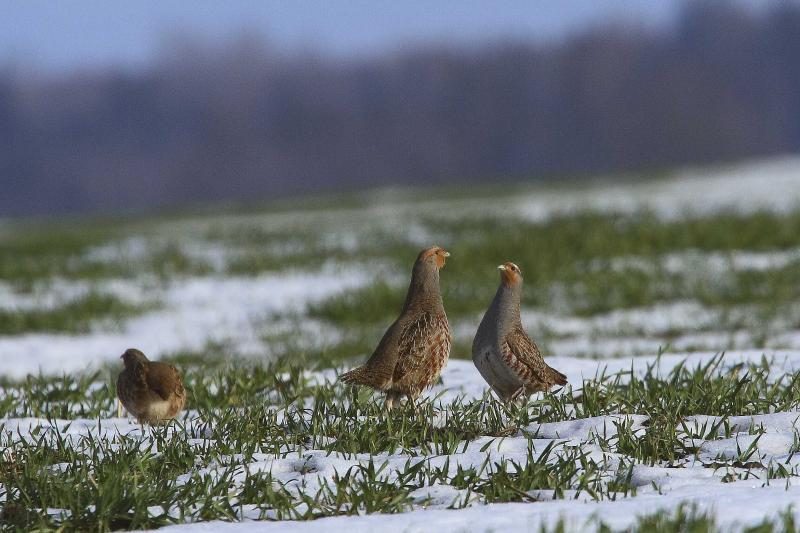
770 185
714 479
739 468
194 312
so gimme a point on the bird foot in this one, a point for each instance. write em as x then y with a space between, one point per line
520 393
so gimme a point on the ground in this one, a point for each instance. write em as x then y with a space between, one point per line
672 304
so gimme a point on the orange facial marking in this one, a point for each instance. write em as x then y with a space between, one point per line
439 254
510 273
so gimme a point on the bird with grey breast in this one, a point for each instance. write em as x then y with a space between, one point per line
151 391
506 357
414 350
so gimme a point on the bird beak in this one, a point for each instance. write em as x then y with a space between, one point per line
501 267
446 254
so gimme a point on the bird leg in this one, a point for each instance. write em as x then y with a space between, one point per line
508 407
413 399
119 408
391 399
520 392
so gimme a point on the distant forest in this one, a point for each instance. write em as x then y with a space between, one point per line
241 122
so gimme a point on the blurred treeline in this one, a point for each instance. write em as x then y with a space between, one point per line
241 122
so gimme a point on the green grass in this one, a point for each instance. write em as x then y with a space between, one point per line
110 481
569 267
685 519
666 400
567 261
31 254
243 409
75 316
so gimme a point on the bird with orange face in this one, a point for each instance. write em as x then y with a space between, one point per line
414 350
506 357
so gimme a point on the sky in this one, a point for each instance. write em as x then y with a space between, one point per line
63 35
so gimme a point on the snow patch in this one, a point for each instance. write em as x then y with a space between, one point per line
195 312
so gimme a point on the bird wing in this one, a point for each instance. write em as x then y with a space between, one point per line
378 370
164 380
522 356
420 340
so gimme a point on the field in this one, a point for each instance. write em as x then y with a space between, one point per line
672 303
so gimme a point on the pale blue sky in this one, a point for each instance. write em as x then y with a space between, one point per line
66 34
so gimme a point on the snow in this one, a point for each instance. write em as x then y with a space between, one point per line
708 264
127 250
193 312
733 504
197 311
583 429
681 326
237 312
779 422
658 319
442 496
772 184
713 479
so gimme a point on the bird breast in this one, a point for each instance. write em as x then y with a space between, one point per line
160 410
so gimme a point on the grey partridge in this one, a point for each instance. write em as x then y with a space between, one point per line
151 391
506 357
414 350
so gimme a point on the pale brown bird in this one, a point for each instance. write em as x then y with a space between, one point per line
506 357
151 391
414 350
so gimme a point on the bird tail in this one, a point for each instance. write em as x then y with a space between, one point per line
556 377
360 376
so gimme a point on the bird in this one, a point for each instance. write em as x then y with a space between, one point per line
151 391
506 357
414 350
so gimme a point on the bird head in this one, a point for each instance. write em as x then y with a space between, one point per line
435 255
510 274
132 357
